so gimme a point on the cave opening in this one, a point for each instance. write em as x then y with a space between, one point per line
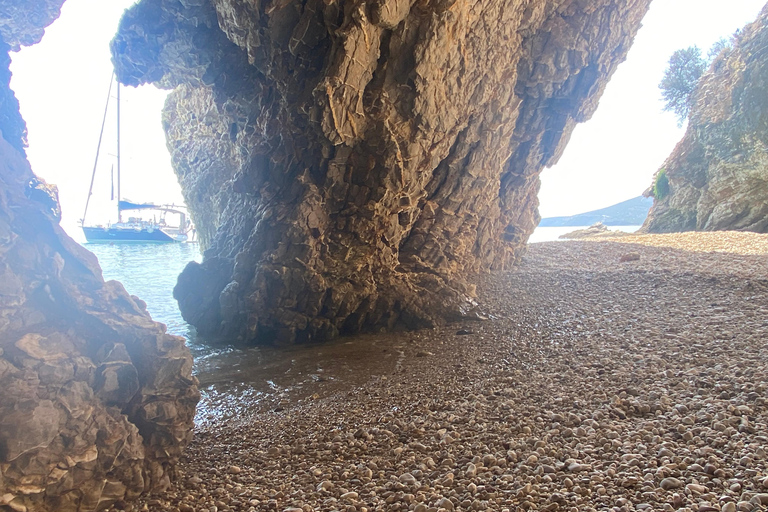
611 159
324 212
381 183
62 84
344 215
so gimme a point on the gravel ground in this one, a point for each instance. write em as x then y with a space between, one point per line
610 377
732 242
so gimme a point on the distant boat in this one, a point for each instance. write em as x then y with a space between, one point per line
135 229
140 230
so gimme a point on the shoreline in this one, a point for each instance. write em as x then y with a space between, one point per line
730 242
597 384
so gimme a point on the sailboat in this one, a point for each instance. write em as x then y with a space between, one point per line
134 229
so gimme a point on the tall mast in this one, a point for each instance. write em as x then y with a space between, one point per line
98 148
119 213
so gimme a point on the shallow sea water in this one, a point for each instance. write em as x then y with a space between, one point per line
149 271
231 374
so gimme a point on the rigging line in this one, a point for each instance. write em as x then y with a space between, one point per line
119 213
98 148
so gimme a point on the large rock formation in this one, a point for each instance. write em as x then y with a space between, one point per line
96 400
718 173
351 163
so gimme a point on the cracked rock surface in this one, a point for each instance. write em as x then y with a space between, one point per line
350 164
97 400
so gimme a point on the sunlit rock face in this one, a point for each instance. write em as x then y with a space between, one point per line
96 400
352 164
718 173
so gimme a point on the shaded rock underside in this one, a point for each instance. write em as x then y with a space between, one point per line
349 164
96 400
718 173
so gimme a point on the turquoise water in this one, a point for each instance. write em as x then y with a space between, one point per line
149 271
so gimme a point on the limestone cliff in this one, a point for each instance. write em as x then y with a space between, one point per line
351 163
718 173
96 400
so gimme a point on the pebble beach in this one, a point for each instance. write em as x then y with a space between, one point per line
624 375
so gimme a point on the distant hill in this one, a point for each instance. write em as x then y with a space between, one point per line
627 213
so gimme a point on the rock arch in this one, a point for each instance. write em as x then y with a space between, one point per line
351 164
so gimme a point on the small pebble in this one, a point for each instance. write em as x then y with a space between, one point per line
670 483
596 389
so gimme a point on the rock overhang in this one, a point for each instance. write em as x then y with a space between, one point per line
352 164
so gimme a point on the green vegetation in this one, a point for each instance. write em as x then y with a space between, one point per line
661 185
683 71
718 47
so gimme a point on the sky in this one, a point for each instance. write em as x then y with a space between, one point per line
62 84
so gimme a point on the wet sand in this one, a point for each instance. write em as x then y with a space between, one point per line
596 385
